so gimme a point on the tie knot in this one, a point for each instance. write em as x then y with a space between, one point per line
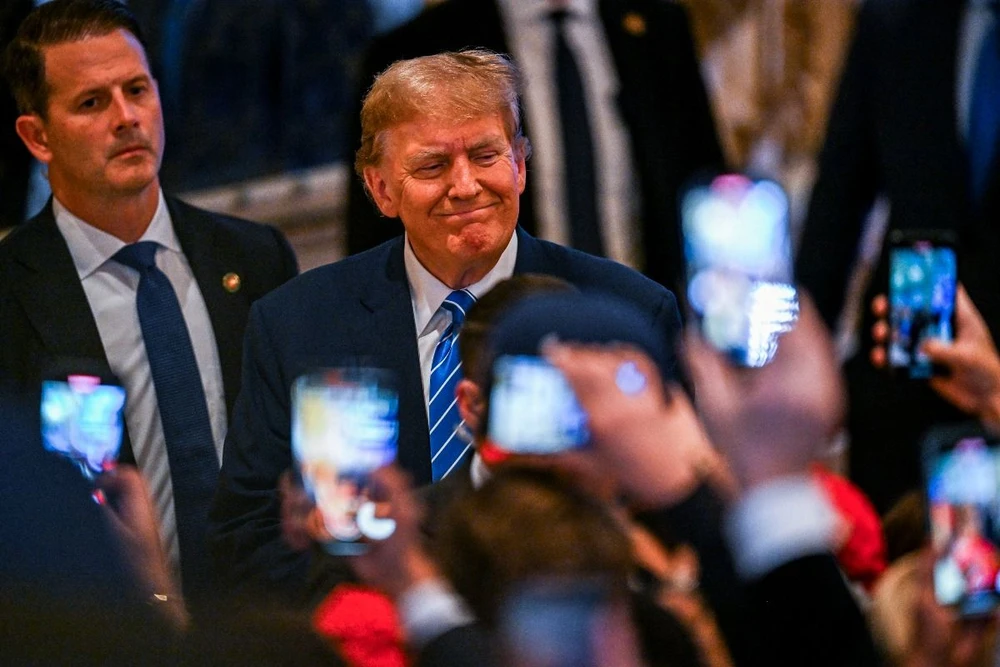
458 303
140 256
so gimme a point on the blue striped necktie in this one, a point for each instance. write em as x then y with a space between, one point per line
187 430
447 448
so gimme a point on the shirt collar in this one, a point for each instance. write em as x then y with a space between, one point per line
91 247
428 293
478 471
526 11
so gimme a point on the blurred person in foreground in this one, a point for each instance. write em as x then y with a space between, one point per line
113 269
770 423
915 125
442 148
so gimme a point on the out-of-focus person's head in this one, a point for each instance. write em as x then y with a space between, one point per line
90 109
575 317
476 330
523 524
442 149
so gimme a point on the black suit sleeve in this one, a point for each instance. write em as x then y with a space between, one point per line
467 645
801 613
847 182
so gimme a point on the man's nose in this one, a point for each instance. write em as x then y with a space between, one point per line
125 112
464 183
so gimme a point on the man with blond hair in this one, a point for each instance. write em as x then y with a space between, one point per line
442 149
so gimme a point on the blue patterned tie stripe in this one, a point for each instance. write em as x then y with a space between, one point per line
447 448
194 464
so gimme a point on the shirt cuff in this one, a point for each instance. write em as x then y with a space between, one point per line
777 523
430 609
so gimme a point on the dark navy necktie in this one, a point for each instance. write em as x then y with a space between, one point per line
194 464
447 447
984 112
578 146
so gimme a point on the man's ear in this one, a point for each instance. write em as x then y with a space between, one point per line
31 129
471 405
378 188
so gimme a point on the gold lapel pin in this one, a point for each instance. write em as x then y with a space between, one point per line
231 282
634 24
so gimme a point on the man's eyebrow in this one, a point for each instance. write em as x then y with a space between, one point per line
427 154
492 141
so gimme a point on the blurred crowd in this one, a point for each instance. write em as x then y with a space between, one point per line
518 168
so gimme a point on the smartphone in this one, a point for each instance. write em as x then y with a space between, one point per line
559 622
83 419
923 279
737 249
345 425
962 472
533 409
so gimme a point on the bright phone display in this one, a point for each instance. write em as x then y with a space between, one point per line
345 425
83 419
739 265
962 467
533 409
923 278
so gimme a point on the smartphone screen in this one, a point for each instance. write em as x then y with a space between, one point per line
83 420
345 425
533 409
923 278
963 491
738 255
553 622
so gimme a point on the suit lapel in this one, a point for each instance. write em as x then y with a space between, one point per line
211 259
389 331
48 287
46 283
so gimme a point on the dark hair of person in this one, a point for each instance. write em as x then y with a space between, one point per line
57 22
487 310
522 524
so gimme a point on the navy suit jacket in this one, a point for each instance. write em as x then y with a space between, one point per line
356 310
45 315
661 99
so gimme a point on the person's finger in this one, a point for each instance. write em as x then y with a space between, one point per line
969 322
711 374
880 306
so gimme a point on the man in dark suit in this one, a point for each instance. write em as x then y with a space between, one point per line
90 112
648 112
442 148
903 129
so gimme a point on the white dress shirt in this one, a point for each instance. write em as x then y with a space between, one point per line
111 290
427 293
531 37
